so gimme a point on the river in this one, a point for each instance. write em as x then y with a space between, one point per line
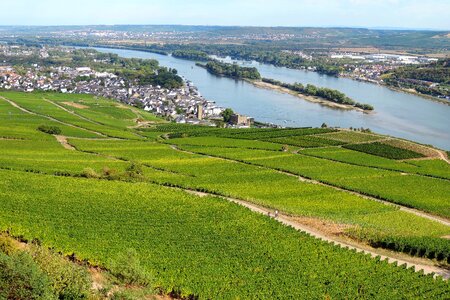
396 113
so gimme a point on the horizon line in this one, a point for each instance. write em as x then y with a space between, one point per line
387 28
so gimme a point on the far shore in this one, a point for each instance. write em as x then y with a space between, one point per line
414 92
309 98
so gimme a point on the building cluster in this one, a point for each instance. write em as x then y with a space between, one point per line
370 67
185 104
389 59
368 72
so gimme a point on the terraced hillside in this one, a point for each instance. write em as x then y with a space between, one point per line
188 200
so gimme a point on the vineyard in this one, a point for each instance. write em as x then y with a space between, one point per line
384 150
108 186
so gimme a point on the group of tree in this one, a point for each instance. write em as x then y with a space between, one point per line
432 79
324 93
232 70
191 55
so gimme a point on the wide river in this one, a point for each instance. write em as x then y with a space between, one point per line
397 114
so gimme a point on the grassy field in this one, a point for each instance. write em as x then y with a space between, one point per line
116 187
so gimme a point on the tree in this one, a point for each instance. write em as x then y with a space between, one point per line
324 125
226 114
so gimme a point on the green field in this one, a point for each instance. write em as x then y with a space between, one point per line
116 187
384 150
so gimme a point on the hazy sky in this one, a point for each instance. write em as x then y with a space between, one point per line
352 13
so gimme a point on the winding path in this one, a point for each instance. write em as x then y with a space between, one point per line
286 220
304 179
50 118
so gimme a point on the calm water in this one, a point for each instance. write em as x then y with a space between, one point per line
398 114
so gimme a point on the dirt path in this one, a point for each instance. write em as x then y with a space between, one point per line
289 221
63 141
50 118
73 113
391 257
443 156
304 179
84 118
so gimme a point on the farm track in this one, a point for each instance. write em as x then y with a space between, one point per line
282 218
290 221
63 141
304 179
438 153
73 113
50 118
84 118
443 156
373 252
377 167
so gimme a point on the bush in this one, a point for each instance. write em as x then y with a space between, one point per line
21 278
108 172
69 281
89 173
135 170
6 245
49 129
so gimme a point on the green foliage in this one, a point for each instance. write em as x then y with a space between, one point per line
135 170
191 55
21 278
69 281
189 246
127 267
226 114
424 193
432 79
232 70
146 71
351 136
324 93
306 141
211 141
89 173
49 129
220 241
384 150
6 245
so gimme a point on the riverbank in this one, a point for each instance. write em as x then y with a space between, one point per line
397 89
414 92
397 114
309 98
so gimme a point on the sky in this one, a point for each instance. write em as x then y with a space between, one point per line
413 14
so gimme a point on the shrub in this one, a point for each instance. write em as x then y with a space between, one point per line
49 129
89 173
69 281
21 278
6 245
108 172
134 170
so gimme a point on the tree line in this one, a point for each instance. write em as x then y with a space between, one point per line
231 70
324 93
